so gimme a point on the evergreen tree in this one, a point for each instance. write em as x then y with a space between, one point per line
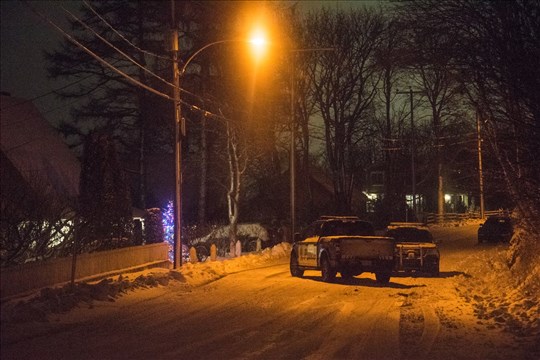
105 202
132 39
154 229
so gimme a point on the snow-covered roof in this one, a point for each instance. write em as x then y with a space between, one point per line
35 149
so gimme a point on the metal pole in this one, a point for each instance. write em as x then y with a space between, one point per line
480 173
293 151
177 146
413 154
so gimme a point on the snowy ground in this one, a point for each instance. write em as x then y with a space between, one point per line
509 297
40 305
477 309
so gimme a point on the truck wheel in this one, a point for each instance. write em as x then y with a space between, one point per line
296 270
383 277
433 269
328 273
346 275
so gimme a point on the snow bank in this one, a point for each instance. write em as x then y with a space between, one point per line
504 285
457 223
201 273
38 306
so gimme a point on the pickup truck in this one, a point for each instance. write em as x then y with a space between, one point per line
343 244
415 248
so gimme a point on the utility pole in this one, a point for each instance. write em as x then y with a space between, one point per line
480 173
413 145
178 132
292 165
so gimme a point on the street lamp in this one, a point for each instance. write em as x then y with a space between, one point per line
258 41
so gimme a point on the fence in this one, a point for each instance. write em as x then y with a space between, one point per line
22 278
430 218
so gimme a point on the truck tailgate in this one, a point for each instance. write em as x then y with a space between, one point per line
366 247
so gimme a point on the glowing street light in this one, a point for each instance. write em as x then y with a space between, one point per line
259 43
258 40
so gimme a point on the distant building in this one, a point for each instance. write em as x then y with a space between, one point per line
455 200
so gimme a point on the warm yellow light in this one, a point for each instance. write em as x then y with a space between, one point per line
259 43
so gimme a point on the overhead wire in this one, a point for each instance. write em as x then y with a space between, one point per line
47 93
126 55
123 74
117 49
98 58
122 36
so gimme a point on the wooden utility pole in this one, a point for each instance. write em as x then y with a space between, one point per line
178 126
413 145
292 165
480 172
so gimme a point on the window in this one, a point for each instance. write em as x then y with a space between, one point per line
377 178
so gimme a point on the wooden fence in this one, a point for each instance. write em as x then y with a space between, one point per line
23 278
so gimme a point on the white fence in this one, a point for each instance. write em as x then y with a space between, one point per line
430 218
22 278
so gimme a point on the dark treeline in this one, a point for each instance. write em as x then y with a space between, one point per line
352 111
352 106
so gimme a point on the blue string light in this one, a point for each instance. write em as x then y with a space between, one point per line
168 228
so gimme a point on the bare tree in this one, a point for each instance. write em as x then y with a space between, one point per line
496 52
344 87
237 161
391 114
36 223
433 70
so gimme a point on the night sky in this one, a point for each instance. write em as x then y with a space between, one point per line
24 37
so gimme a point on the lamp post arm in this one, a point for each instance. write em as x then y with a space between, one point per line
188 61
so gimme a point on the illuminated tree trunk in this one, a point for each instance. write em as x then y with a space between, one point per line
236 169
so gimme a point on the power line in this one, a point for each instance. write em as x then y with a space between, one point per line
129 78
97 57
122 36
133 45
115 48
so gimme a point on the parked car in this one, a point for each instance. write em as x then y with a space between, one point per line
496 229
343 244
415 248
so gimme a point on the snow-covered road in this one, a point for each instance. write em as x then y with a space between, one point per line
265 313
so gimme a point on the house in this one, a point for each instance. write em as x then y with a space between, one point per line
456 200
34 157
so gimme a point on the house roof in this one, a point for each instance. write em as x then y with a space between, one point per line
35 149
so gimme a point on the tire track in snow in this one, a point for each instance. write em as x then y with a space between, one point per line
372 332
382 340
430 332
